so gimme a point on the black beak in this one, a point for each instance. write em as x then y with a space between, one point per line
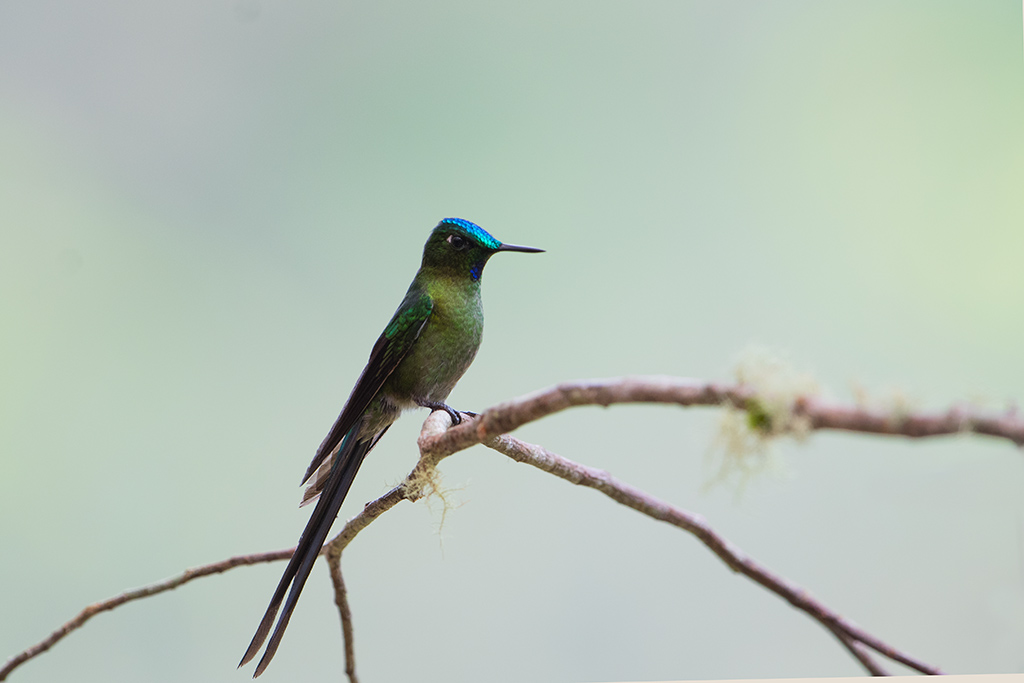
525 250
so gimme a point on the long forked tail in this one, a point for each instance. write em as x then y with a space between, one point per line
346 463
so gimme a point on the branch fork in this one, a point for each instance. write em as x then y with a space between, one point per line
439 439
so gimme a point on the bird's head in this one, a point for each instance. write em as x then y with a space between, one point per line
462 248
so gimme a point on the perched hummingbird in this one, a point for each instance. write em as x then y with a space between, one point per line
422 353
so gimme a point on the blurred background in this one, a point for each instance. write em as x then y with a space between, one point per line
209 211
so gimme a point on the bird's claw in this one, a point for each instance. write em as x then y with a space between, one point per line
452 413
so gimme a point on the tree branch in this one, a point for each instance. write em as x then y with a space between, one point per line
813 411
859 653
332 553
438 440
341 600
144 592
412 488
695 524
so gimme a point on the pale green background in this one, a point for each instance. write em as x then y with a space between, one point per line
209 210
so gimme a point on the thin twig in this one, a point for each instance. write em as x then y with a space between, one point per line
341 600
412 488
332 553
695 524
137 594
370 512
859 653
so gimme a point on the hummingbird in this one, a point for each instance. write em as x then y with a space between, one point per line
428 345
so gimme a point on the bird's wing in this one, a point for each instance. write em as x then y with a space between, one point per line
392 346
388 352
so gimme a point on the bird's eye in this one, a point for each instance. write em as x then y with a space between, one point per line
458 242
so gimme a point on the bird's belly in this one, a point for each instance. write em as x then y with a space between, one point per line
440 356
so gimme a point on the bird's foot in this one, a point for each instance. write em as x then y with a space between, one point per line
452 413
